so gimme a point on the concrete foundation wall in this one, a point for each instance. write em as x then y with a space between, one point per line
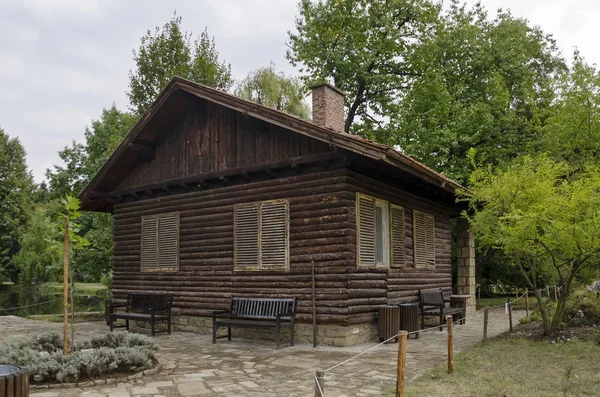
326 334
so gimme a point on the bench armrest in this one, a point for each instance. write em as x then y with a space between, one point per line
290 314
220 313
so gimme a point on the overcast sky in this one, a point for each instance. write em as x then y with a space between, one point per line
62 61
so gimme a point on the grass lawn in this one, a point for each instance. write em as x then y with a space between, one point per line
80 288
516 366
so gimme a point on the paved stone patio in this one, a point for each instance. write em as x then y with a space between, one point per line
193 366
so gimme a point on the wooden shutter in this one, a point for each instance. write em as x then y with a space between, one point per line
246 227
419 239
398 236
365 224
424 240
430 240
274 234
149 248
168 241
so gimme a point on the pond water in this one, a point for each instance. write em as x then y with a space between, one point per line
16 300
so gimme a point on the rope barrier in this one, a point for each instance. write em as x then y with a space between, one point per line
35 304
420 331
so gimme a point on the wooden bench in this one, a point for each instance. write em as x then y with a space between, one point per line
433 304
150 308
256 313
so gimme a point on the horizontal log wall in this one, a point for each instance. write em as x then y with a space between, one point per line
216 138
321 230
369 288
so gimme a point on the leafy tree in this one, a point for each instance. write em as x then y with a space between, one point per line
39 258
572 132
82 162
488 85
367 47
267 87
167 52
16 191
546 222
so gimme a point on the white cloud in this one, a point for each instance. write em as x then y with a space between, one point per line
11 65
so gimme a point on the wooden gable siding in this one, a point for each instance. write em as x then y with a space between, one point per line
214 138
369 288
321 230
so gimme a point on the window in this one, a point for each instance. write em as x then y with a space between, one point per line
261 235
424 240
380 232
160 242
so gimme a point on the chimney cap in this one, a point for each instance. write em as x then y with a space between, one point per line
326 84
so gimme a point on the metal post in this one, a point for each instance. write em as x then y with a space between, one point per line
314 304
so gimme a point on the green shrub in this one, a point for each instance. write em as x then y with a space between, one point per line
115 352
583 309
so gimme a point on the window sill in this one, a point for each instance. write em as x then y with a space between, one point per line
159 270
263 269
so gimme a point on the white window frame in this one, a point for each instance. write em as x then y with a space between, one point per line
385 208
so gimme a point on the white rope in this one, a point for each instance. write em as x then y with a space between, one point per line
35 304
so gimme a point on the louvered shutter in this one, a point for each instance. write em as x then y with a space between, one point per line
365 214
274 232
168 241
149 249
430 240
246 235
398 236
419 239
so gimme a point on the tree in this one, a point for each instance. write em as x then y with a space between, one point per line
39 258
168 52
572 131
82 162
367 47
267 87
16 191
544 219
488 85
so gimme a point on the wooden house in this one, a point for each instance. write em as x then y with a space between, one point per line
214 196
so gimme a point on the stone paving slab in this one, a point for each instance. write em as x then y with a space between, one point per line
193 366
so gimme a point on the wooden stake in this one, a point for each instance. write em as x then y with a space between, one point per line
66 286
527 303
314 304
450 345
548 291
555 293
510 323
485 324
516 294
320 383
402 338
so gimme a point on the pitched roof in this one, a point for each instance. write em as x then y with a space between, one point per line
168 101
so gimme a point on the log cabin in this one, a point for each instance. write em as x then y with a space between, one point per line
213 196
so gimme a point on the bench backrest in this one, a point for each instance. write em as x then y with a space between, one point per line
432 297
144 302
262 308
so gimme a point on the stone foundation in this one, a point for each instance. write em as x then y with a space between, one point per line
332 335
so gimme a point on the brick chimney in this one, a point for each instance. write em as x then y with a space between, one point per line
328 106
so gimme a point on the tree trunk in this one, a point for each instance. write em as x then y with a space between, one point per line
543 311
66 286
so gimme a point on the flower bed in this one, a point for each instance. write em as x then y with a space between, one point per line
117 352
